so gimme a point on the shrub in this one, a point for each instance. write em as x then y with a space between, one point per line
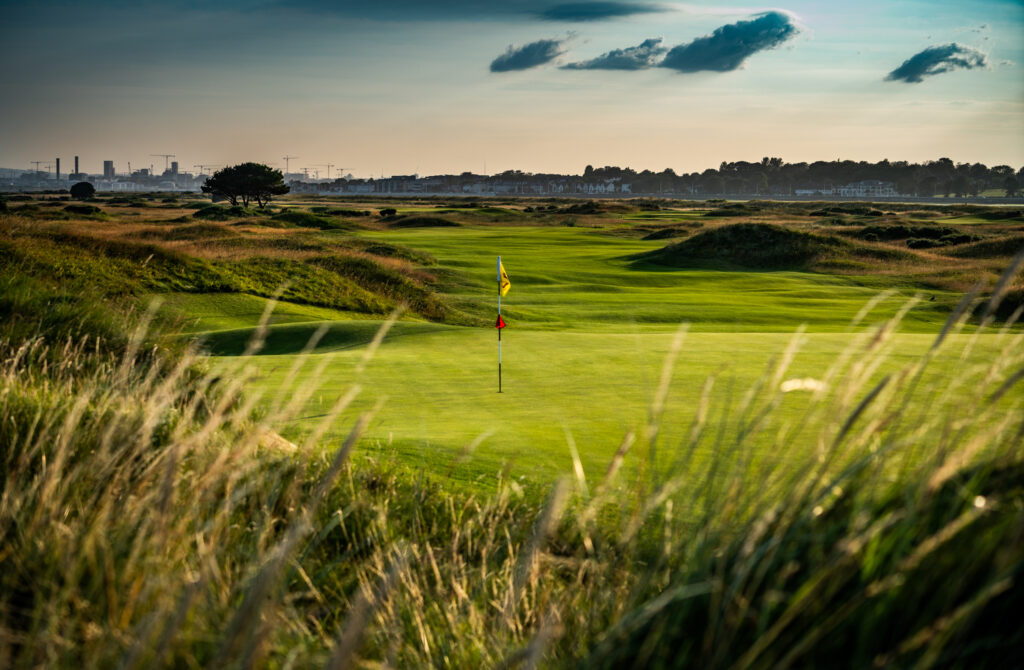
83 190
958 238
922 243
218 213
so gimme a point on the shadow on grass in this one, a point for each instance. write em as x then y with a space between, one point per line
292 338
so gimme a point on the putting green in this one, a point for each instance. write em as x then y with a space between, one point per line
439 389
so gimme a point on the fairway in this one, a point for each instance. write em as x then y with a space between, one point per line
588 333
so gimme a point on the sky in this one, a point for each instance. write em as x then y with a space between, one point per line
413 86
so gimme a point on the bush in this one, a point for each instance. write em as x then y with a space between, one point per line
84 210
958 238
218 213
388 212
922 243
83 190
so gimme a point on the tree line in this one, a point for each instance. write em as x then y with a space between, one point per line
772 175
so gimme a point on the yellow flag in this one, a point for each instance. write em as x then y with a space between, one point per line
503 283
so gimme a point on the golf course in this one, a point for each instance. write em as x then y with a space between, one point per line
728 434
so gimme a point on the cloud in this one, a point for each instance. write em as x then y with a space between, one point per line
639 57
725 49
527 56
596 11
470 10
936 60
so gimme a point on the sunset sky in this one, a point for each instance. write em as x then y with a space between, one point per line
400 86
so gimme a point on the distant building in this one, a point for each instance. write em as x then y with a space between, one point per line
108 169
869 188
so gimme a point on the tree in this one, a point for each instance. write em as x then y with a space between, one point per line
245 182
83 190
1012 186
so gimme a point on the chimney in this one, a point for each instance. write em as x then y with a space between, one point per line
76 164
58 169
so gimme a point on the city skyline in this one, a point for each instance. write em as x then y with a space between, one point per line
396 87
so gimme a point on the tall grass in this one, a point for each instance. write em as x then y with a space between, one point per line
150 516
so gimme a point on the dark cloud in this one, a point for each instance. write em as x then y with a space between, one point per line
936 60
639 57
473 10
596 11
527 56
726 48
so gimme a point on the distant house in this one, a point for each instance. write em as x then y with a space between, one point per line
869 188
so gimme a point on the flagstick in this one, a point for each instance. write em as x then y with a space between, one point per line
499 320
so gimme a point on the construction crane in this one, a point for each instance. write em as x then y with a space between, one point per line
37 164
329 166
204 167
167 157
286 159
305 171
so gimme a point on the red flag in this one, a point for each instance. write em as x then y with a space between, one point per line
500 323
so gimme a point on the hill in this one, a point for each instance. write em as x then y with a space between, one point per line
761 246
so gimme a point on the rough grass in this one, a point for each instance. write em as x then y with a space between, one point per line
305 219
117 264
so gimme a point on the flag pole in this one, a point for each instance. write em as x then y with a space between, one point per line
499 329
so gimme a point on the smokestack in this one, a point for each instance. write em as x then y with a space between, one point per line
76 164
58 169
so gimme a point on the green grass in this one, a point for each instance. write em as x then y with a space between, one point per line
968 220
587 335
203 312
439 386
575 279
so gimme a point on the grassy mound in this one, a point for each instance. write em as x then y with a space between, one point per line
666 234
304 219
218 213
337 211
1001 247
733 209
749 245
422 222
386 281
191 231
83 210
1001 215
114 267
847 208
